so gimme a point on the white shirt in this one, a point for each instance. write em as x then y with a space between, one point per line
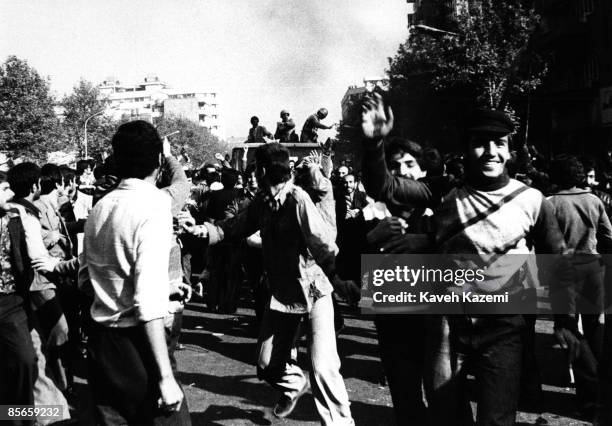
126 249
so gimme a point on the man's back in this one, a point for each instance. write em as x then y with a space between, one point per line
127 245
582 219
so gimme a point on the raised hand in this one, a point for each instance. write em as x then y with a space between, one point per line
315 157
166 148
376 120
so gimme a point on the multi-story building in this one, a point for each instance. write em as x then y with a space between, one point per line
153 98
433 13
572 111
354 93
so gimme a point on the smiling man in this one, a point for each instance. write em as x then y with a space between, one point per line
487 217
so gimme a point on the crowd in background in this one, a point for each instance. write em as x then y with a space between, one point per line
277 225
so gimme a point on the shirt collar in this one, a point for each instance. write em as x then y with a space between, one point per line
134 183
275 201
46 201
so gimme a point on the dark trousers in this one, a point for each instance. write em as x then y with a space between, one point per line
605 373
402 345
531 379
18 369
491 347
589 285
253 267
123 379
224 278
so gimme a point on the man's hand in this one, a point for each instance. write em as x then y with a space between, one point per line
45 264
188 223
351 214
387 228
347 290
182 290
198 289
185 218
171 395
376 120
327 146
54 237
313 158
568 340
219 156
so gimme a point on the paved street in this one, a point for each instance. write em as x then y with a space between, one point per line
217 369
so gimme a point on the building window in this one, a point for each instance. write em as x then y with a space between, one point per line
584 9
591 71
201 104
215 116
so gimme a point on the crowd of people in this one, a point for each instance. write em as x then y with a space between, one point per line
99 262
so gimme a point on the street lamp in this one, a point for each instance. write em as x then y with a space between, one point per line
89 118
427 28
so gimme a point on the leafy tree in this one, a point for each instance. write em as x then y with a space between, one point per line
485 59
197 142
84 102
28 125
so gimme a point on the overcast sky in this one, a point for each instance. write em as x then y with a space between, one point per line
260 55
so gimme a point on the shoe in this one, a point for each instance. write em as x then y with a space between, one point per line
286 405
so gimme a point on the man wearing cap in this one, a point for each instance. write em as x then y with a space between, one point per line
312 124
285 129
485 218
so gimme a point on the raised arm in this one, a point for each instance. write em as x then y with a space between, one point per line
235 228
267 133
173 180
380 184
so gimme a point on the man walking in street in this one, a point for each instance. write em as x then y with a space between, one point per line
299 252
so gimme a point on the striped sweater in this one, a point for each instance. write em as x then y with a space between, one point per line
483 224
497 226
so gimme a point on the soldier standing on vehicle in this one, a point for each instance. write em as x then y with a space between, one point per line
312 124
285 129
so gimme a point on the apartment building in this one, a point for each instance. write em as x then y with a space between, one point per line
152 98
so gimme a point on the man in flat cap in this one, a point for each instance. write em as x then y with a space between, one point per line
492 222
312 125
285 129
